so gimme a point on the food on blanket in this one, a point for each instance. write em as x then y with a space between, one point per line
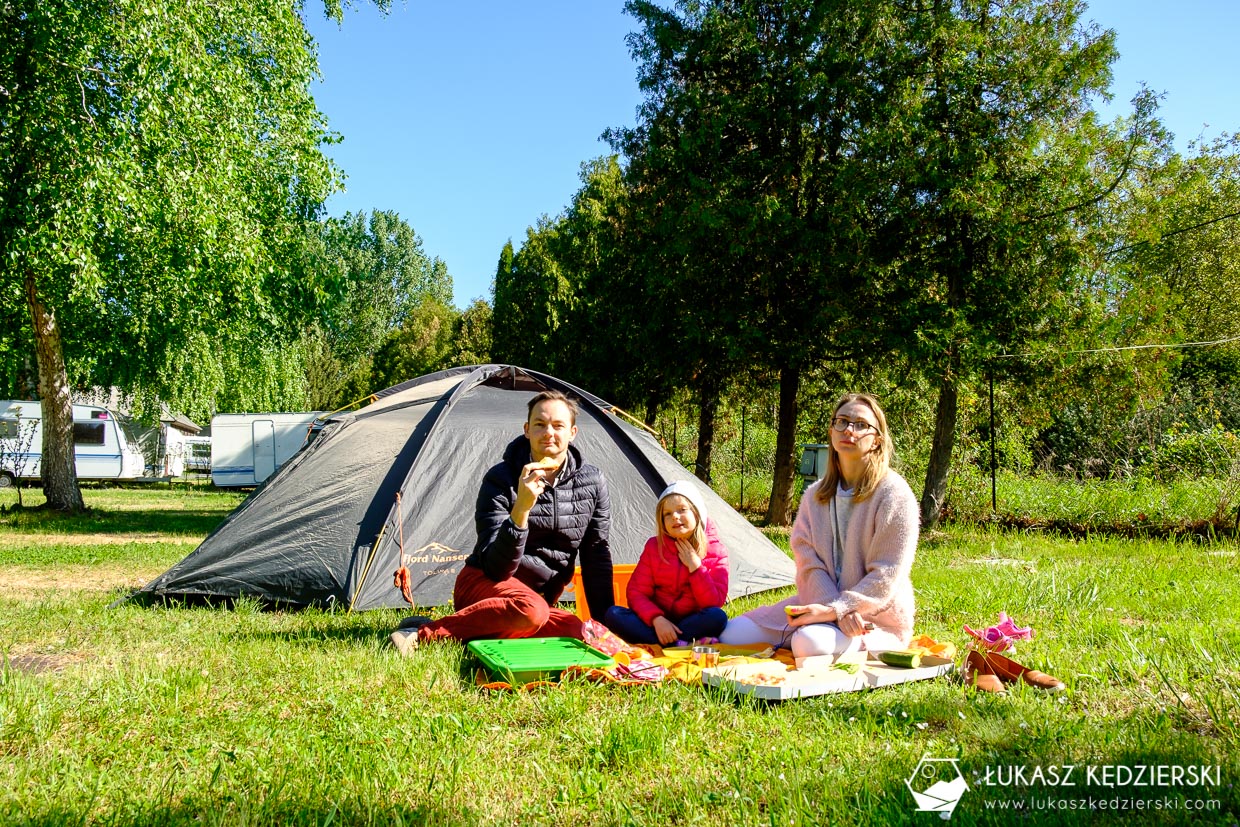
640 670
929 646
631 658
905 658
599 637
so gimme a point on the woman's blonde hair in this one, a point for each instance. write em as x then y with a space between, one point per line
877 461
697 539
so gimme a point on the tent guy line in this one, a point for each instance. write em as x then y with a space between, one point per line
1117 349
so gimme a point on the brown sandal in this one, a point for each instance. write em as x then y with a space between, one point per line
1012 672
981 676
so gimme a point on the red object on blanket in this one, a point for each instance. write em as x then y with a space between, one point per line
631 669
597 635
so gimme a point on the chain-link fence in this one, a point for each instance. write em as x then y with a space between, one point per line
1171 466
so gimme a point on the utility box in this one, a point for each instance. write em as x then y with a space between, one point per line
813 461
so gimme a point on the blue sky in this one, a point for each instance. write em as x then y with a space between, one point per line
472 119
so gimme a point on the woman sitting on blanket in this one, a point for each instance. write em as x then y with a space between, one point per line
680 582
853 542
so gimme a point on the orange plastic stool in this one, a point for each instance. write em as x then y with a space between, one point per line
620 574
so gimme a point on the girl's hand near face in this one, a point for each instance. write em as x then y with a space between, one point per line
688 555
666 630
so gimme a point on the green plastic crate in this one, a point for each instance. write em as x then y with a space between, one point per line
537 658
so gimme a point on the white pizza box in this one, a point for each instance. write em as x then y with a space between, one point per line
822 661
774 681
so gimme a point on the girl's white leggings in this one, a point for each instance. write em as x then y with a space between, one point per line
805 641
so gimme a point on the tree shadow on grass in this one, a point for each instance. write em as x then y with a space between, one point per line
261 809
317 635
198 522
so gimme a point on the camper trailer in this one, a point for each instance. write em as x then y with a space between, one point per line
197 454
104 446
248 448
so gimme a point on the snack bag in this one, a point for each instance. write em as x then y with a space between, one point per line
597 635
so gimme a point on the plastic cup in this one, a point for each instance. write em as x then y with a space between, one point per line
706 656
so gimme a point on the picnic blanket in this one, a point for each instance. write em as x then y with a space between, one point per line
654 665
647 664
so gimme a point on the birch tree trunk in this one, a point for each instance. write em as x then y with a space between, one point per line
58 470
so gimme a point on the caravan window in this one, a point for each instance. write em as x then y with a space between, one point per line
88 433
9 429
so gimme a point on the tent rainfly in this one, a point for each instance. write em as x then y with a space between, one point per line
397 481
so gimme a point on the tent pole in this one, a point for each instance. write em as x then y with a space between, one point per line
370 558
617 410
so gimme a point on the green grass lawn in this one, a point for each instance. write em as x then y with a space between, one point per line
135 716
1134 506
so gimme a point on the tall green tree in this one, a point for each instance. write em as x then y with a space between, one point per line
422 344
1181 240
749 151
1166 270
380 272
989 177
158 161
531 299
574 300
374 273
471 338
611 340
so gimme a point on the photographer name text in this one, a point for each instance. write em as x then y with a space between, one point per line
1102 775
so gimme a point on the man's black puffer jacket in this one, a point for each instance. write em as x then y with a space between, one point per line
570 518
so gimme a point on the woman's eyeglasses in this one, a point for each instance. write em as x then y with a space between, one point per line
859 426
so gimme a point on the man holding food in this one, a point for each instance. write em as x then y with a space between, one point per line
538 510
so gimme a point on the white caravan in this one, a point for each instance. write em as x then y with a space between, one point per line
248 448
103 445
197 454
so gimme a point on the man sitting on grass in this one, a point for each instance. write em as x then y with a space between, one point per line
538 509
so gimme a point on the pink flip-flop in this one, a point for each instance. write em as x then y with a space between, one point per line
1002 636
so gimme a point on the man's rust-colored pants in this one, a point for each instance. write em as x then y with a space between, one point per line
508 609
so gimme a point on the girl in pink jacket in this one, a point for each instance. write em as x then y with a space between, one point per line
681 581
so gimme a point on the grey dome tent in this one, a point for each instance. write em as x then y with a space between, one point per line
397 481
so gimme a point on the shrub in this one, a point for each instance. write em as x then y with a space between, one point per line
1194 453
